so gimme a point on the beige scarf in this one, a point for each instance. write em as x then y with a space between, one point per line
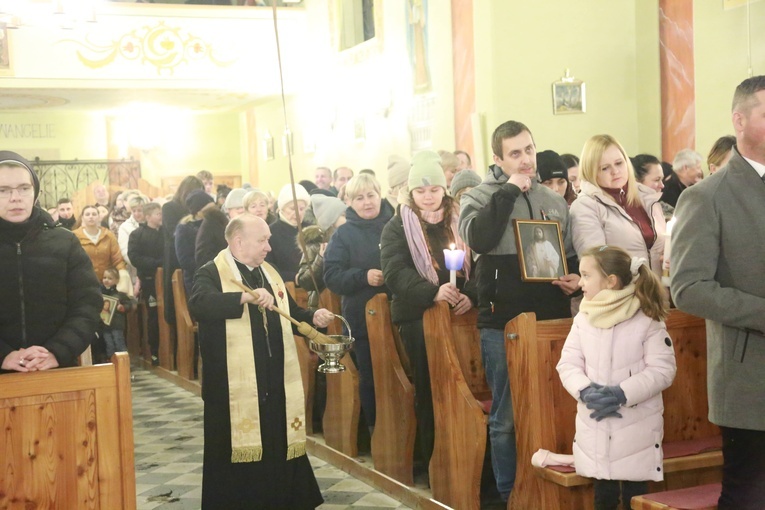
610 307
246 443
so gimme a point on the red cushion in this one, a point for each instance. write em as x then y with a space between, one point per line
691 498
485 405
691 447
562 469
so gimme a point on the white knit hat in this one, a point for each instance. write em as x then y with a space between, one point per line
285 195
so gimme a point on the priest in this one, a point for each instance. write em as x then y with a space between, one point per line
254 419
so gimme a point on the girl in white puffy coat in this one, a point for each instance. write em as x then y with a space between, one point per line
616 361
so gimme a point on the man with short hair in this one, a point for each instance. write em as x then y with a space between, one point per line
323 177
65 213
50 299
465 162
254 416
341 176
718 270
510 191
146 248
686 171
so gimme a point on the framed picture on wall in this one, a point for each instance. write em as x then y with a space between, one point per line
268 147
540 250
5 51
569 95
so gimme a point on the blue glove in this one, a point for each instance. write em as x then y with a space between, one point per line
588 390
605 402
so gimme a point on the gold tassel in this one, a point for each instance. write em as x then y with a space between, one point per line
246 454
295 450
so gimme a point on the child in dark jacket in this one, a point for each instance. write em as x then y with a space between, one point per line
114 323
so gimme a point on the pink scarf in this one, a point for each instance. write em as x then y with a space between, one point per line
418 247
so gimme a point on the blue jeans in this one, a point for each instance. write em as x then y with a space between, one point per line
501 423
115 342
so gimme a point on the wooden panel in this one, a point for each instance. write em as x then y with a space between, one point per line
460 439
170 183
184 329
467 346
68 439
395 425
166 330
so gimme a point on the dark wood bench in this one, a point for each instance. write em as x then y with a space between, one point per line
460 393
166 330
395 425
68 438
545 413
185 329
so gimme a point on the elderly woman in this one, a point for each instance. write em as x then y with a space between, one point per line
330 214
285 254
412 256
258 203
352 269
613 208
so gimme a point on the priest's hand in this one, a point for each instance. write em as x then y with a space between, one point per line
322 317
263 298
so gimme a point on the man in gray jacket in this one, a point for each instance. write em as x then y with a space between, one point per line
510 191
718 269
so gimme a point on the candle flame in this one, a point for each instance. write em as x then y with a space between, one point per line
451 246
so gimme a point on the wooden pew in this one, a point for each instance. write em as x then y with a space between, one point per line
461 423
308 360
166 330
68 438
341 414
704 497
395 425
185 329
545 413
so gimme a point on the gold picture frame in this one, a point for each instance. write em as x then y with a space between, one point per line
569 95
542 257
110 306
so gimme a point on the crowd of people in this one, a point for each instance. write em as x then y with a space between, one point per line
345 232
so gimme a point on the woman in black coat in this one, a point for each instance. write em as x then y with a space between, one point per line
352 269
172 212
412 256
285 254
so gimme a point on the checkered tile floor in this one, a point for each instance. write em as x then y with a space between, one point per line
167 425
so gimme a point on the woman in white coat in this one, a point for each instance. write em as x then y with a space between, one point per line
616 361
613 208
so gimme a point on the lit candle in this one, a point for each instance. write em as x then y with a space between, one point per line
667 252
453 260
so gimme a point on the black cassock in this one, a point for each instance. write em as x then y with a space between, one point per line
273 482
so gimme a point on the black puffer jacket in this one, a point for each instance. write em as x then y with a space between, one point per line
312 263
50 295
353 250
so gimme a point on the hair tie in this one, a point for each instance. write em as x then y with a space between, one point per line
635 267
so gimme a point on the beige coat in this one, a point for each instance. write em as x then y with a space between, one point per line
597 220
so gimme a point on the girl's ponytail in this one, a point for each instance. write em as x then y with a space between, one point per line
651 294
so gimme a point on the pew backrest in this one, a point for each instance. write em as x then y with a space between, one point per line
185 328
68 438
460 422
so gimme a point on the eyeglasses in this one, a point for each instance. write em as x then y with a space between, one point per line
25 190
